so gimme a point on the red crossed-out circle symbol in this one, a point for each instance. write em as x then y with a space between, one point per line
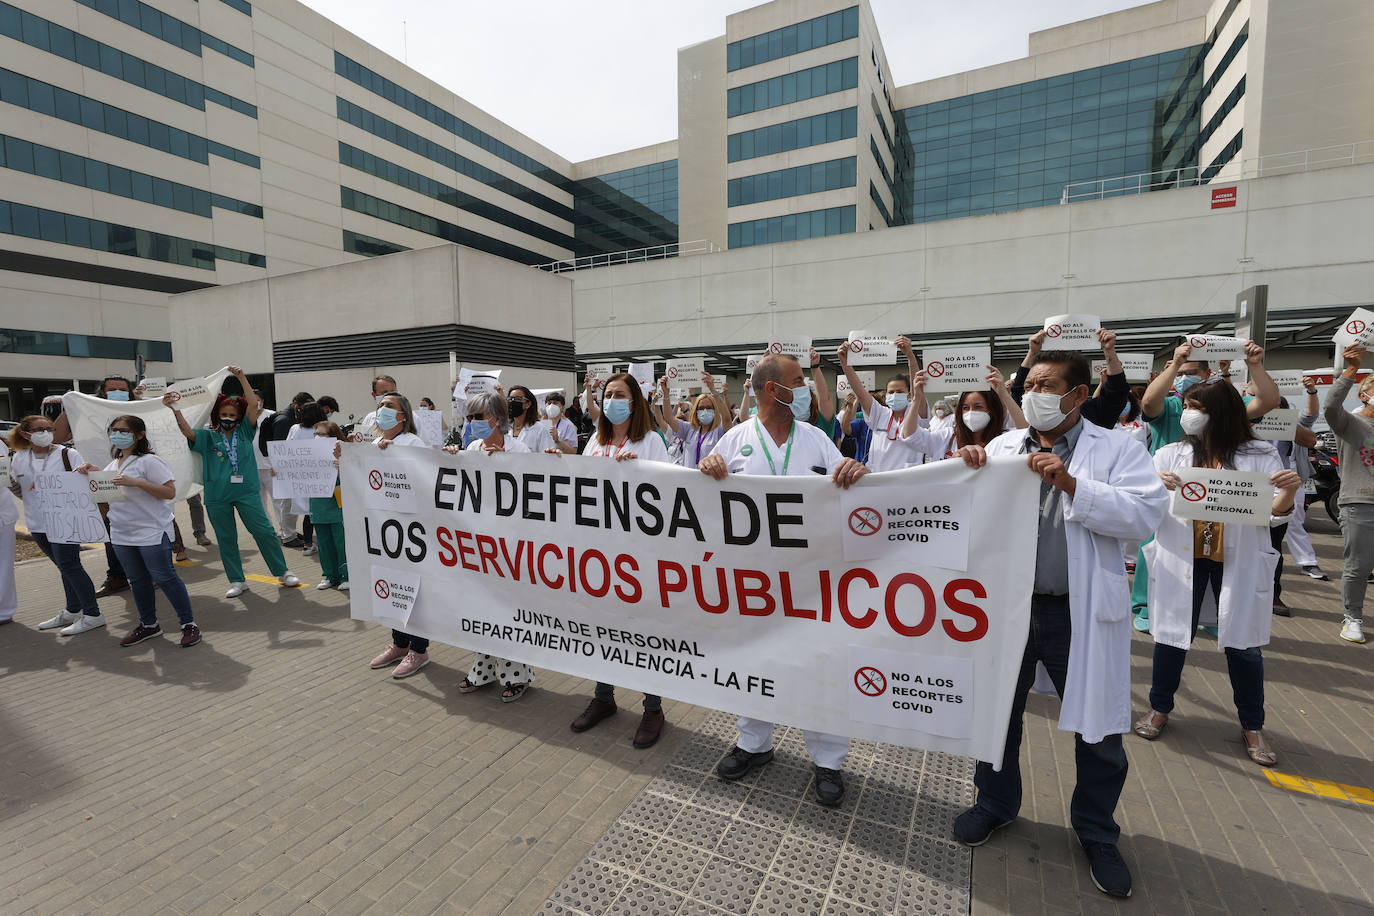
176 396
374 480
775 347
382 589
94 486
1356 326
856 346
671 373
870 681
1053 330
935 370
865 521
1197 341
1194 491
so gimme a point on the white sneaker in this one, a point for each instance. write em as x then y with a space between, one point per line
236 589
324 584
310 551
83 623
343 586
289 579
61 620
1353 631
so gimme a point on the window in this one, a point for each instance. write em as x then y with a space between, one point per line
358 243
792 227
835 76
804 132
49 343
164 27
793 182
792 39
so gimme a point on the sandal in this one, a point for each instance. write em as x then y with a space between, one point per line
513 692
1260 751
1148 728
467 686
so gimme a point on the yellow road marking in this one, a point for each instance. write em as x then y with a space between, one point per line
1321 788
271 580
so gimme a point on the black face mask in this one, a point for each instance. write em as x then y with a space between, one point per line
228 423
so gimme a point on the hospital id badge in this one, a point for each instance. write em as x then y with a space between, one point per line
236 478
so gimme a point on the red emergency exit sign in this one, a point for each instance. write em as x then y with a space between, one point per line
1223 197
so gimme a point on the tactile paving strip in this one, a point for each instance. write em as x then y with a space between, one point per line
693 845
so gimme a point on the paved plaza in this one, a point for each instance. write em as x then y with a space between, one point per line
268 770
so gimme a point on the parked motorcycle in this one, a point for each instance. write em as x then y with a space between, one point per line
1325 485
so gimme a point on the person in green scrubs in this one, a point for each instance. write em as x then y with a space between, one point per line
230 473
326 514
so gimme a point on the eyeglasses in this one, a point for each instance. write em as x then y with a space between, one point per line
120 429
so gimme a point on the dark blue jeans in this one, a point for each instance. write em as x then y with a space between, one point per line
77 584
1101 767
1245 666
146 565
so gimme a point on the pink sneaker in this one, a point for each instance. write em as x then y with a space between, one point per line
412 663
391 656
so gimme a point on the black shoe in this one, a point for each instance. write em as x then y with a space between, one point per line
974 826
829 787
1108 869
738 763
294 541
111 585
1281 609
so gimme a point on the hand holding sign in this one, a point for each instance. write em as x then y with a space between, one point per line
1071 332
1215 347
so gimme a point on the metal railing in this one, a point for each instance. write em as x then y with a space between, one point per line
1259 167
634 255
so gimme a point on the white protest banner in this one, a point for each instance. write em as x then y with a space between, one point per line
103 488
677 395
471 383
867 378
1289 382
684 373
152 387
68 513
392 485
1210 495
189 389
4 472
601 371
732 595
936 519
795 346
1214 347
957 368
304 467
869 348
750 362
1357 330
1072 332
722 382
393 594
430 424
1280 424
542 394
1138 366
90 418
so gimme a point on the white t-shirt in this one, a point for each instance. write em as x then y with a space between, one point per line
887 449
747 447
25 466
9 512
650 448
141 519
512 445
406 439
536 436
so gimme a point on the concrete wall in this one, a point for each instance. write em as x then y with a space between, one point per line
1165 254
701 130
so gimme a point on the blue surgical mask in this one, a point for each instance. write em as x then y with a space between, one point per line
897 402
474 431
1126 411
617 410
706 417
754 411
386 418
121 439
1183 382
801 402
118 395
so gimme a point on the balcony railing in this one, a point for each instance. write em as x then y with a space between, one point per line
655 253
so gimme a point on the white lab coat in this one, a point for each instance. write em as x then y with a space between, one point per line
1246 609
1119 497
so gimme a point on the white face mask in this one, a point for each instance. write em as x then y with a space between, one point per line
977 420
1042 410
1193 421
554 411
42 438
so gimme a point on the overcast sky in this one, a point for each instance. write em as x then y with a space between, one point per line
591 77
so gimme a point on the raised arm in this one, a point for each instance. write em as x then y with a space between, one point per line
589 386
744 398
912 421
918 395
722 406
1337 417
249 395
1309 416
1266 392
825 401
1152 404
846 416
860 392
169 400
999 388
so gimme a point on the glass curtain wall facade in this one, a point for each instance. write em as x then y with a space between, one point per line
628 209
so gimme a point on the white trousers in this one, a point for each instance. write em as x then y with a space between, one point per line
1298 540
756 736
9 595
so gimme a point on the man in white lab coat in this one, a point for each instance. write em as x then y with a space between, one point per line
1097 490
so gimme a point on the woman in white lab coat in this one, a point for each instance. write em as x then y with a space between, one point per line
9 516
1193 564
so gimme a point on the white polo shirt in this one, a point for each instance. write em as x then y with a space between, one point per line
650 448
748 447
888 450
141 519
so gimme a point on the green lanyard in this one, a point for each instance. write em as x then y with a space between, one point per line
763 441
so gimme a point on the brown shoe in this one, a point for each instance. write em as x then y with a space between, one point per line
110 586
650 727
190 635
139 634
596 711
